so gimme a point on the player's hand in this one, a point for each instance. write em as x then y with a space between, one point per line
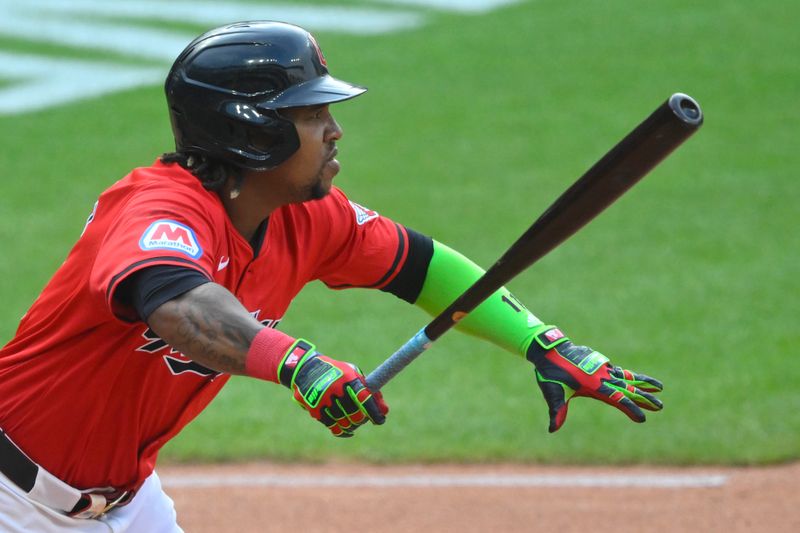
333 392
565 370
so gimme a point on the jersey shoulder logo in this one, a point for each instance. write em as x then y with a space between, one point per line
171 235
363 215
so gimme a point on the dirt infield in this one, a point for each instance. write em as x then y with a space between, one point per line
498 498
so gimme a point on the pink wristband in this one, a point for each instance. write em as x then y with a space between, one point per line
265 354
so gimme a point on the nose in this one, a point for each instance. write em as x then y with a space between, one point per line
334 131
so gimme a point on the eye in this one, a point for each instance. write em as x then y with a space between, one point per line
319 113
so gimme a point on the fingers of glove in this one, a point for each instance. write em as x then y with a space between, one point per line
337 424
617 398
324 416
355 408
557 395
371 402
376 410
338 431
340 426
346 412
640 381
641 398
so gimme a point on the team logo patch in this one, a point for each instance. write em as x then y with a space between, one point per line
171 235
363 215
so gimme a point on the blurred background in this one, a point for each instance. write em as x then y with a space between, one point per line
479 114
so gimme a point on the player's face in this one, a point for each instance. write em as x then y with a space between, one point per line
311 169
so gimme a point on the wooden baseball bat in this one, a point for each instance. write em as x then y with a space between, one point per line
617 171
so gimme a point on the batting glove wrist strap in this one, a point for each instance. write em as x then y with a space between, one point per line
291 360
547 338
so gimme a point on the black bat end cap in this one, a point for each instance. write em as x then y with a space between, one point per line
686 108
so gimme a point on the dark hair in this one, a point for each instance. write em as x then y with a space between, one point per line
211 172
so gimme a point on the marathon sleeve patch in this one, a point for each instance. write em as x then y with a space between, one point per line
171 235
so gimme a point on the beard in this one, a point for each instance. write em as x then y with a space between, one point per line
318 190
321 186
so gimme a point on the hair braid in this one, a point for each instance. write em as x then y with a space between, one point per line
211 172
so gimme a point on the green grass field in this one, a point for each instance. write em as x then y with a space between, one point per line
473 124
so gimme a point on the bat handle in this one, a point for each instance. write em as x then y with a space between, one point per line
398 361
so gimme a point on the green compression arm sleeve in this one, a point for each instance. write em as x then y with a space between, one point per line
500 319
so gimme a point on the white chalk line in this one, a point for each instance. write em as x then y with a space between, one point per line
653 480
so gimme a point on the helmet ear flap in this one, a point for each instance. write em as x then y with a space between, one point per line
275 139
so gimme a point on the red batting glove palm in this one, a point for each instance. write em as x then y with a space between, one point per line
565 370
333 392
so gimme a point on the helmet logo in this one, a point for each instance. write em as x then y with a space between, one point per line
318 50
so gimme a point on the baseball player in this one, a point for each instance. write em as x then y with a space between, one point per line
183 272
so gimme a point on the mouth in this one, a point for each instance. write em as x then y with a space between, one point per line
331 163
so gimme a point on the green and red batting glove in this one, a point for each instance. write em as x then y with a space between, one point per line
332 391
565 370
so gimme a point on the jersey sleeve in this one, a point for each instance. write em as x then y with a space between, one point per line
147 289
151 230
361 248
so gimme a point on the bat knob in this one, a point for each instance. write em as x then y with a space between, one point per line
686 108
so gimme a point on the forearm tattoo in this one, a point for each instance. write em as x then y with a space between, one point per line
210 330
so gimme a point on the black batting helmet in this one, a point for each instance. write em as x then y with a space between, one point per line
225 89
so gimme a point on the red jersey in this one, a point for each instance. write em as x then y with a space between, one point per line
90 392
